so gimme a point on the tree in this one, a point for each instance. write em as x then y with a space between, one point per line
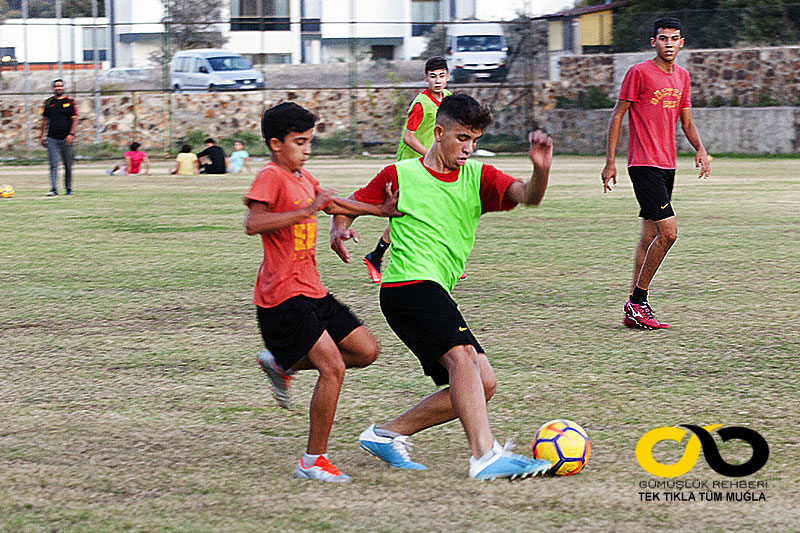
710 23
188 27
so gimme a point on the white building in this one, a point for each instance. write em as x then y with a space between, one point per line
295 31
50 41
272 31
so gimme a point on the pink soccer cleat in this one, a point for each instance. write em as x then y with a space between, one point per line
641 316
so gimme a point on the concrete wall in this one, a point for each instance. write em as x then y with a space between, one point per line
772 130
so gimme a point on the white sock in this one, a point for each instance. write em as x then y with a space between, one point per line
386 433
309 460
478 464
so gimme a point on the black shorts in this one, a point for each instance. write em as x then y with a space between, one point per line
427 320
653 189
291 328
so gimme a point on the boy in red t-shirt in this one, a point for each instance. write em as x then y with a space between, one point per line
302 325
657 92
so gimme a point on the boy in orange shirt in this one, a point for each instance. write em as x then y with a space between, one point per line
303 326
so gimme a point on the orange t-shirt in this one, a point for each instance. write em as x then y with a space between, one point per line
289 267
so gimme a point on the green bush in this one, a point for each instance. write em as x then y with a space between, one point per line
252 143
338 143
592 98
765 100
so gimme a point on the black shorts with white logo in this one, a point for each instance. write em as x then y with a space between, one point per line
291 328
653 189
428 321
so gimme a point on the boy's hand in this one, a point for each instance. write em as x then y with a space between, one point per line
389 206
701 162
541 150
609 174
322 199
338 236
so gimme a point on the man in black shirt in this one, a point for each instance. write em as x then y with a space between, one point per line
59 119
216 154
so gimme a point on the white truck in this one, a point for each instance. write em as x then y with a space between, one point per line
476 51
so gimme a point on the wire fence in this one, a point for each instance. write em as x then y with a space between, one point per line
130 82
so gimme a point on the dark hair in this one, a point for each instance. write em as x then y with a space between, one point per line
282 119
666 22
135 146
238 141
435 63
56 81
210 141
186 149
465 110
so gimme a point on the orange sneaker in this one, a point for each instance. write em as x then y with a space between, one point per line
373 268
321 470
279 379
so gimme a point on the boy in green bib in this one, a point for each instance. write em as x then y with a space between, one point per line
443 196
417 140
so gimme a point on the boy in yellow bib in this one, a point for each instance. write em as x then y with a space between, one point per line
417 140
443 196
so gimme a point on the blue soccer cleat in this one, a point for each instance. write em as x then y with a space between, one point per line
509 465
393 450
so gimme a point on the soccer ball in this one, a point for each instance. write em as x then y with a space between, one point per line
6 191
565 444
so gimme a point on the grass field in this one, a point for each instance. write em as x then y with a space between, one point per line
131 400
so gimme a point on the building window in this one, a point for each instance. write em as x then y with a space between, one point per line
259 15
568 35
424 15
95 37
382 51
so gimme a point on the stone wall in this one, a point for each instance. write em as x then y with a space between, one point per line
153 117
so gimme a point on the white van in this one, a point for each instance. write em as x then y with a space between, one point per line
477 51
212 69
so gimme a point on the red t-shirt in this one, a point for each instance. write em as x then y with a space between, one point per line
657 99
289 267
136 160
493 187
416 113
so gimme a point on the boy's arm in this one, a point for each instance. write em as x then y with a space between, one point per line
378 193
410 138
146 165
614 127
340 232
541 155
353 208
413 120
693 136
247 164
260 219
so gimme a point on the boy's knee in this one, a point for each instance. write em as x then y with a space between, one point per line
670 236
370 352
463 355
489 386
333 369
